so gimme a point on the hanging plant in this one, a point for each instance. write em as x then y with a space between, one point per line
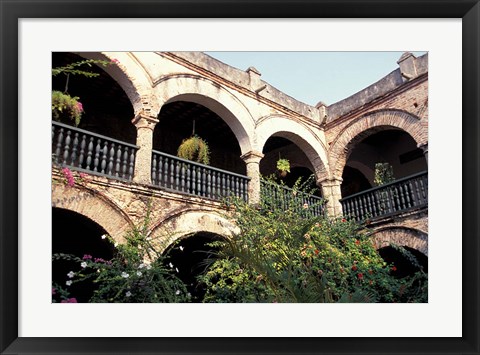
194 149
66 106
283 166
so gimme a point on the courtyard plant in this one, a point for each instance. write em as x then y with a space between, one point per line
136 274
286 254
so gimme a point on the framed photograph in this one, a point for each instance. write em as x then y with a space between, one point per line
35 173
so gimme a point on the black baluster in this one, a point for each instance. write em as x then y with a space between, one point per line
119 160
172 172
58 151
125 163
189 177
209 184
165 172
96 161
66 148
74 149
154 168
160 171
104 157
194 179
177 176
406 191
222 185
111 159
89 154
203 179
83 144
182 177
214 185
131 164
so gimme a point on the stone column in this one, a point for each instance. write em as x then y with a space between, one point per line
143 162
252 160
332 193
424 148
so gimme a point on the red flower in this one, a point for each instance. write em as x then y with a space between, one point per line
344 220
370 272
316 252
360 276
394 268
354 268
357 242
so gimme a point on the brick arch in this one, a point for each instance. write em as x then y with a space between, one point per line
200 90
94 206
302 136
408 237
367 125
188 222
131 77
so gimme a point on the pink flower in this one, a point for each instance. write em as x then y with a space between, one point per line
69 300
79 106
54 291
87 257
69 176
114 61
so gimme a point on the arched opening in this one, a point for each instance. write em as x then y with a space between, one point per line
190 257
402 265
75 234
389 145
107 109
300 167
180 119
353 181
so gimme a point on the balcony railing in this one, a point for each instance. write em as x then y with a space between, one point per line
185 176
91 152
392 198
277 196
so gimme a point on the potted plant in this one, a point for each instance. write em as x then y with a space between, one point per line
283 167
194 149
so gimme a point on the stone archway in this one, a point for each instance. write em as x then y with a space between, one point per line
132 78
189 222
409 237
369 124
94 206
304 138
194 88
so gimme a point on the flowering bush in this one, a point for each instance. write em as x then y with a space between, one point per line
135 274
287 255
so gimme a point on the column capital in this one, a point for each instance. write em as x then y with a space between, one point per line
330 182
143 120
252 157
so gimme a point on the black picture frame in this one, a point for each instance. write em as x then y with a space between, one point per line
13 10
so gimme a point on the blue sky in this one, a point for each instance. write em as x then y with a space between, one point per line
311 77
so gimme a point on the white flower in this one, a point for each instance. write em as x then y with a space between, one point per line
128 294
83 264
181 248
176 269
125 275
115 245
71 274
148 267
69 282
139 273
177 292
104 236
141 266
171 265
